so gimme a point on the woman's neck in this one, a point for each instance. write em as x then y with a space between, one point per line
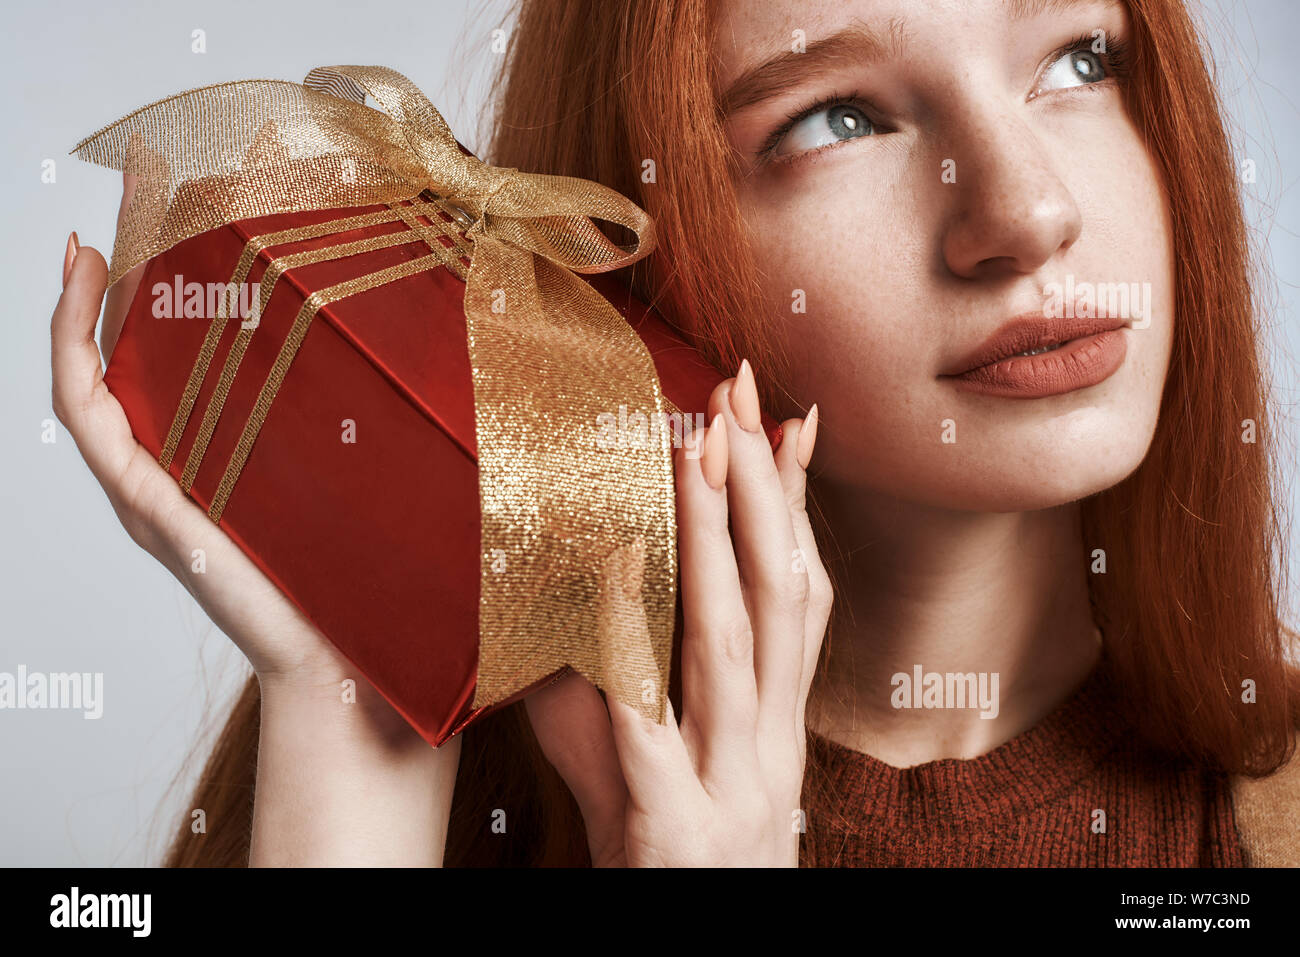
924 592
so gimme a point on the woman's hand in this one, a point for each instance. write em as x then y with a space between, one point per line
724 786
277 639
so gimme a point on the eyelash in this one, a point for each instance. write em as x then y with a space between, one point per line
1115 58
802 113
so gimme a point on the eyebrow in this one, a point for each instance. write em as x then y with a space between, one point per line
854 44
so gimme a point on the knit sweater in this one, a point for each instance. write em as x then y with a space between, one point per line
1076 790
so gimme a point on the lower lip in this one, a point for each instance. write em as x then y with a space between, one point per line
1076 365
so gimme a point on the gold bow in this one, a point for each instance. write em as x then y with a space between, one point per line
578 556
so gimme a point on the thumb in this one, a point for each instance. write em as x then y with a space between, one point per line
75 361
571 723
81 400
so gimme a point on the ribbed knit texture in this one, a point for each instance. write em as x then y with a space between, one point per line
1030 802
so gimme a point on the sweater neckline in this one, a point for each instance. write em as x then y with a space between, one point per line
1010 780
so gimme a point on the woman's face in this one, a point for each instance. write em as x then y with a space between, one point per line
955 168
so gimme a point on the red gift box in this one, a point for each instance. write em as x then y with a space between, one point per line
375 539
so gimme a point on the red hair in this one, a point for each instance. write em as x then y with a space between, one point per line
1189 606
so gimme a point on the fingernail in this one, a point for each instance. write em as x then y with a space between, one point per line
713 459
744 399
69 255
807 437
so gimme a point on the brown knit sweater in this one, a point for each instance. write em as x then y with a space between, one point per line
1031 802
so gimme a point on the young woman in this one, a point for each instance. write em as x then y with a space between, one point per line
1048 508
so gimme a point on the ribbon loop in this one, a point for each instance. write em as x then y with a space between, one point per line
522 206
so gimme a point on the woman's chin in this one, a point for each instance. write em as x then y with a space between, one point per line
1052 485
1003 484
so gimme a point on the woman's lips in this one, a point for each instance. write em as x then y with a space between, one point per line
1075 364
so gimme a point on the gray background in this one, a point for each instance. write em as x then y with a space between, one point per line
77 594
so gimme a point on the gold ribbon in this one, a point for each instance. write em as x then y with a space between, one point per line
578 556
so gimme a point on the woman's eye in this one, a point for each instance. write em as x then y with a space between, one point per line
1076 68
837 123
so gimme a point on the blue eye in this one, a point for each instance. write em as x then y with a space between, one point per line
823 124
1082 66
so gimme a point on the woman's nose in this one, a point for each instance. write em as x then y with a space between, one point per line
1008 211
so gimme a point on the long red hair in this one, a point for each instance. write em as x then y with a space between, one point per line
1190 605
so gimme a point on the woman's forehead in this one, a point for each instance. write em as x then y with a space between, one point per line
750 34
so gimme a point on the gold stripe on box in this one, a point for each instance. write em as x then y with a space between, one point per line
276 268
252 249
313 304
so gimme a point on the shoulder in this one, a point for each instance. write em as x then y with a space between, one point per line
1267 813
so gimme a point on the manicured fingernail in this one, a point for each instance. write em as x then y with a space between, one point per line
807 437
713 458
69 255
744 399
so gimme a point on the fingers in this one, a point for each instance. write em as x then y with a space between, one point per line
719 691
774 580
653 756
572 727
792 459
608 752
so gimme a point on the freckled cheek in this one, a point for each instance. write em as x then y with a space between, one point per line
1140 249
882 414
862 340
1125 219
868 370
1126 233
